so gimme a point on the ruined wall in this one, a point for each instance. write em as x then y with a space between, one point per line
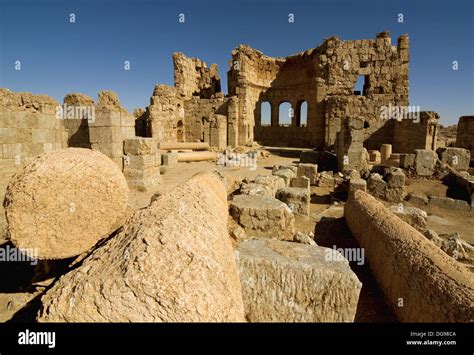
192 77
166 115
465 133
28 127
77 108
200 117
324 77
111 126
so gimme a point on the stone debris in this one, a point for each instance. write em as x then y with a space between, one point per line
308 170
326 179
64 202
256 189
293 282
425 162
304 238
301 181
415 217
298 199
457 158
161 267
286 174
448 203
263 216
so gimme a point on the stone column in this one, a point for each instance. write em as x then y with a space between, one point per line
274 110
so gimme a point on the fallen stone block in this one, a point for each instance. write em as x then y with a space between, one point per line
293 282
425 162
458 158
357 184
407 161
411 270
272 181
263 216
376 186
396 178
304 238
64 202
417 199
161 267
411 215
301 181
256 189
169 159
326 179
139 146
394 194
449 203
298 199
308 170
286 175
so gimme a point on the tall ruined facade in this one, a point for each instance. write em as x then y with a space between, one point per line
322 78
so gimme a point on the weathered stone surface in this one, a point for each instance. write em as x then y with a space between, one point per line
285 174
432 286
304 238
458 158
162 267
298 199
407 161
395 194
257 189
425 162
140 146
308 170
411 215
376 185
417 199
293 282
263 216
301 181
396 178
357 184
449 203
272 181
63 202
326 179
169 159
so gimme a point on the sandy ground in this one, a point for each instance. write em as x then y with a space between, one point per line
325 220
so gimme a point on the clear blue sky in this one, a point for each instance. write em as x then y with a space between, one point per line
58 57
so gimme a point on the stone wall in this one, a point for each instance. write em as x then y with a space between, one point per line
192 77
166 115
77 126
28 128
465 133
324 77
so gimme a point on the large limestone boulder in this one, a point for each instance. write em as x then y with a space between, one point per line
293 282
62 203
172 262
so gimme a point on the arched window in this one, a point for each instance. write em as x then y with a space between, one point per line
285 114
265 113
303 119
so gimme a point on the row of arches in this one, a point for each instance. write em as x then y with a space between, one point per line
287 115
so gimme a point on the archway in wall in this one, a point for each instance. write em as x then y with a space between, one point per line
265 113
285 114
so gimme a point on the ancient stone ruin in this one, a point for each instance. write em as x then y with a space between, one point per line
208 207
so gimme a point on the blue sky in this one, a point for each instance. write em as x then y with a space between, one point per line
58 57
